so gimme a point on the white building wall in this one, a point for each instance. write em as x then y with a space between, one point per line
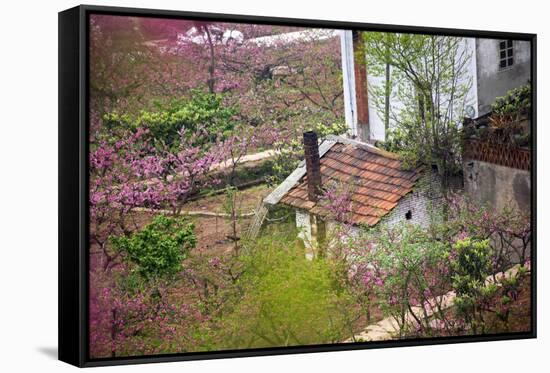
376 117
303 223
348 80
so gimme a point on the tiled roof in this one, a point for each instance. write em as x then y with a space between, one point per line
376 177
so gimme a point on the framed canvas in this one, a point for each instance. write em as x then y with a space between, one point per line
235 186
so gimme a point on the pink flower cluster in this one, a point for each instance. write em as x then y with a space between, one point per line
337 200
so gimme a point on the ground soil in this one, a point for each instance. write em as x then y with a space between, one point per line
520 312
212 232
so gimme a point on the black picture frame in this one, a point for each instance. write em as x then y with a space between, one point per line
73 183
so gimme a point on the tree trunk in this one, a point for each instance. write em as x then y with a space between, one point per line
387 100
113 332
212 67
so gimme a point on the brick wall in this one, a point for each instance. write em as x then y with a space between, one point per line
418 205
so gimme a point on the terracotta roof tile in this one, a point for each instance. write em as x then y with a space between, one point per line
376 179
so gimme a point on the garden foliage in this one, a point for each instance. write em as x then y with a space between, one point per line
157 250
285 299
200 111
153 290
407 270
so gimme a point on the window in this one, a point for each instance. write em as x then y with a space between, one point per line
506 54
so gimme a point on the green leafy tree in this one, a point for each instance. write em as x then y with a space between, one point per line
232 207
431 82
157 250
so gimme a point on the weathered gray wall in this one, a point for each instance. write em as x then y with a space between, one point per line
307 225
493 82
497 186
303 223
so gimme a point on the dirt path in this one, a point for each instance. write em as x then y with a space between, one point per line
245 159
204 214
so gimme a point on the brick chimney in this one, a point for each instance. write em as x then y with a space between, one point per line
313 165
361 87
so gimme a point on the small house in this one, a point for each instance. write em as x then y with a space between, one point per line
381 190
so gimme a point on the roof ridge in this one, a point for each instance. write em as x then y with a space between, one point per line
363 145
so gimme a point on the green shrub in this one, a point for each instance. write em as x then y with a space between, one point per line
515 101
200 111
405 266
286 300
471 266
157 250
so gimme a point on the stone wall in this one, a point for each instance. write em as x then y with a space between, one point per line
303 223
306 224
497 186
416 205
